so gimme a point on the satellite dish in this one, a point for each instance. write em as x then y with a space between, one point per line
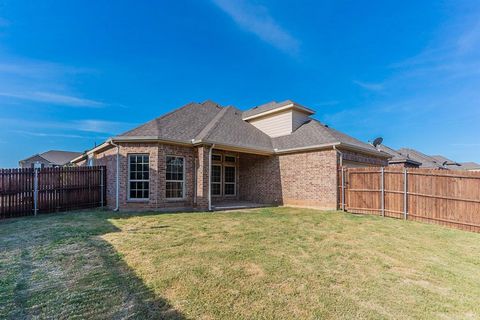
377 141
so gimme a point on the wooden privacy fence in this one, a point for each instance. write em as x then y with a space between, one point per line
25 192
445 197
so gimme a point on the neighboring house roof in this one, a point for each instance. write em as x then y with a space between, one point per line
443 160
397 157
425 160
56 157
469 166
273 106
208 122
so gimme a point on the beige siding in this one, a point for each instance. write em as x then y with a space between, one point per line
298 118
275 124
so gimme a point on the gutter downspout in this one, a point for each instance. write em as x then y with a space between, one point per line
209 177
343 177
117 178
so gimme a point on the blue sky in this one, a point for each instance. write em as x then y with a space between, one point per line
73 73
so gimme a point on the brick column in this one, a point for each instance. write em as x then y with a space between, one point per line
202 154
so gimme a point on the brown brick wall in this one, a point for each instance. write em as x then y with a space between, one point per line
310 179
363 158
260 179
303 179
403 165
157 157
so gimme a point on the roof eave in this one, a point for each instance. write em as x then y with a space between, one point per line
376 153
307 148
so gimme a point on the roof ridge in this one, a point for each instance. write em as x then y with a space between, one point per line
160 117
212 124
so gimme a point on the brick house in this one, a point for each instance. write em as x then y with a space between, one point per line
203 155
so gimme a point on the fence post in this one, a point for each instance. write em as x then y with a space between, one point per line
101 186
405 194
35 191
383 191
343 188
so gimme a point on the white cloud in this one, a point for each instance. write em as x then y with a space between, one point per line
54 98
44 134
100 126
370 86
257 20
68 126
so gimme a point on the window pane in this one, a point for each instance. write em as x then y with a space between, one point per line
138 175
229 174
216 174
174 190
216 157
174 177
230 189
229 159
216 189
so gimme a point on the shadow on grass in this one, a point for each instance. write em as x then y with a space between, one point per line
59 266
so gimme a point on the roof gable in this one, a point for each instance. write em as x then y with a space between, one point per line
182 124
272 107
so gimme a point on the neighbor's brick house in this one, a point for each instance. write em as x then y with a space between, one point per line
204 154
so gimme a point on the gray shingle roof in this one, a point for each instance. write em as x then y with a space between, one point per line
57 157
396 156
212 123
425 160
313 133
469 166
268 107
441 160
182 124
230 129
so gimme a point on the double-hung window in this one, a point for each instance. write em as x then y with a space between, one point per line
138 177
229 180
175 177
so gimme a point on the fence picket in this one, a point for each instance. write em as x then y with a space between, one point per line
57 189
450 198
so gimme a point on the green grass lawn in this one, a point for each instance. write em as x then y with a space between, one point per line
268 263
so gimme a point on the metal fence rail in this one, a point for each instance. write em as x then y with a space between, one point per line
26 192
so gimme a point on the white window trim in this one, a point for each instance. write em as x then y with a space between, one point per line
234 183
221 181
183 181
135 180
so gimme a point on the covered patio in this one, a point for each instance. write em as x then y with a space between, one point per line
243 180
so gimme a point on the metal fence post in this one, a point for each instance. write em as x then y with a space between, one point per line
383 191
35 191
405 194
101 186
343 189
